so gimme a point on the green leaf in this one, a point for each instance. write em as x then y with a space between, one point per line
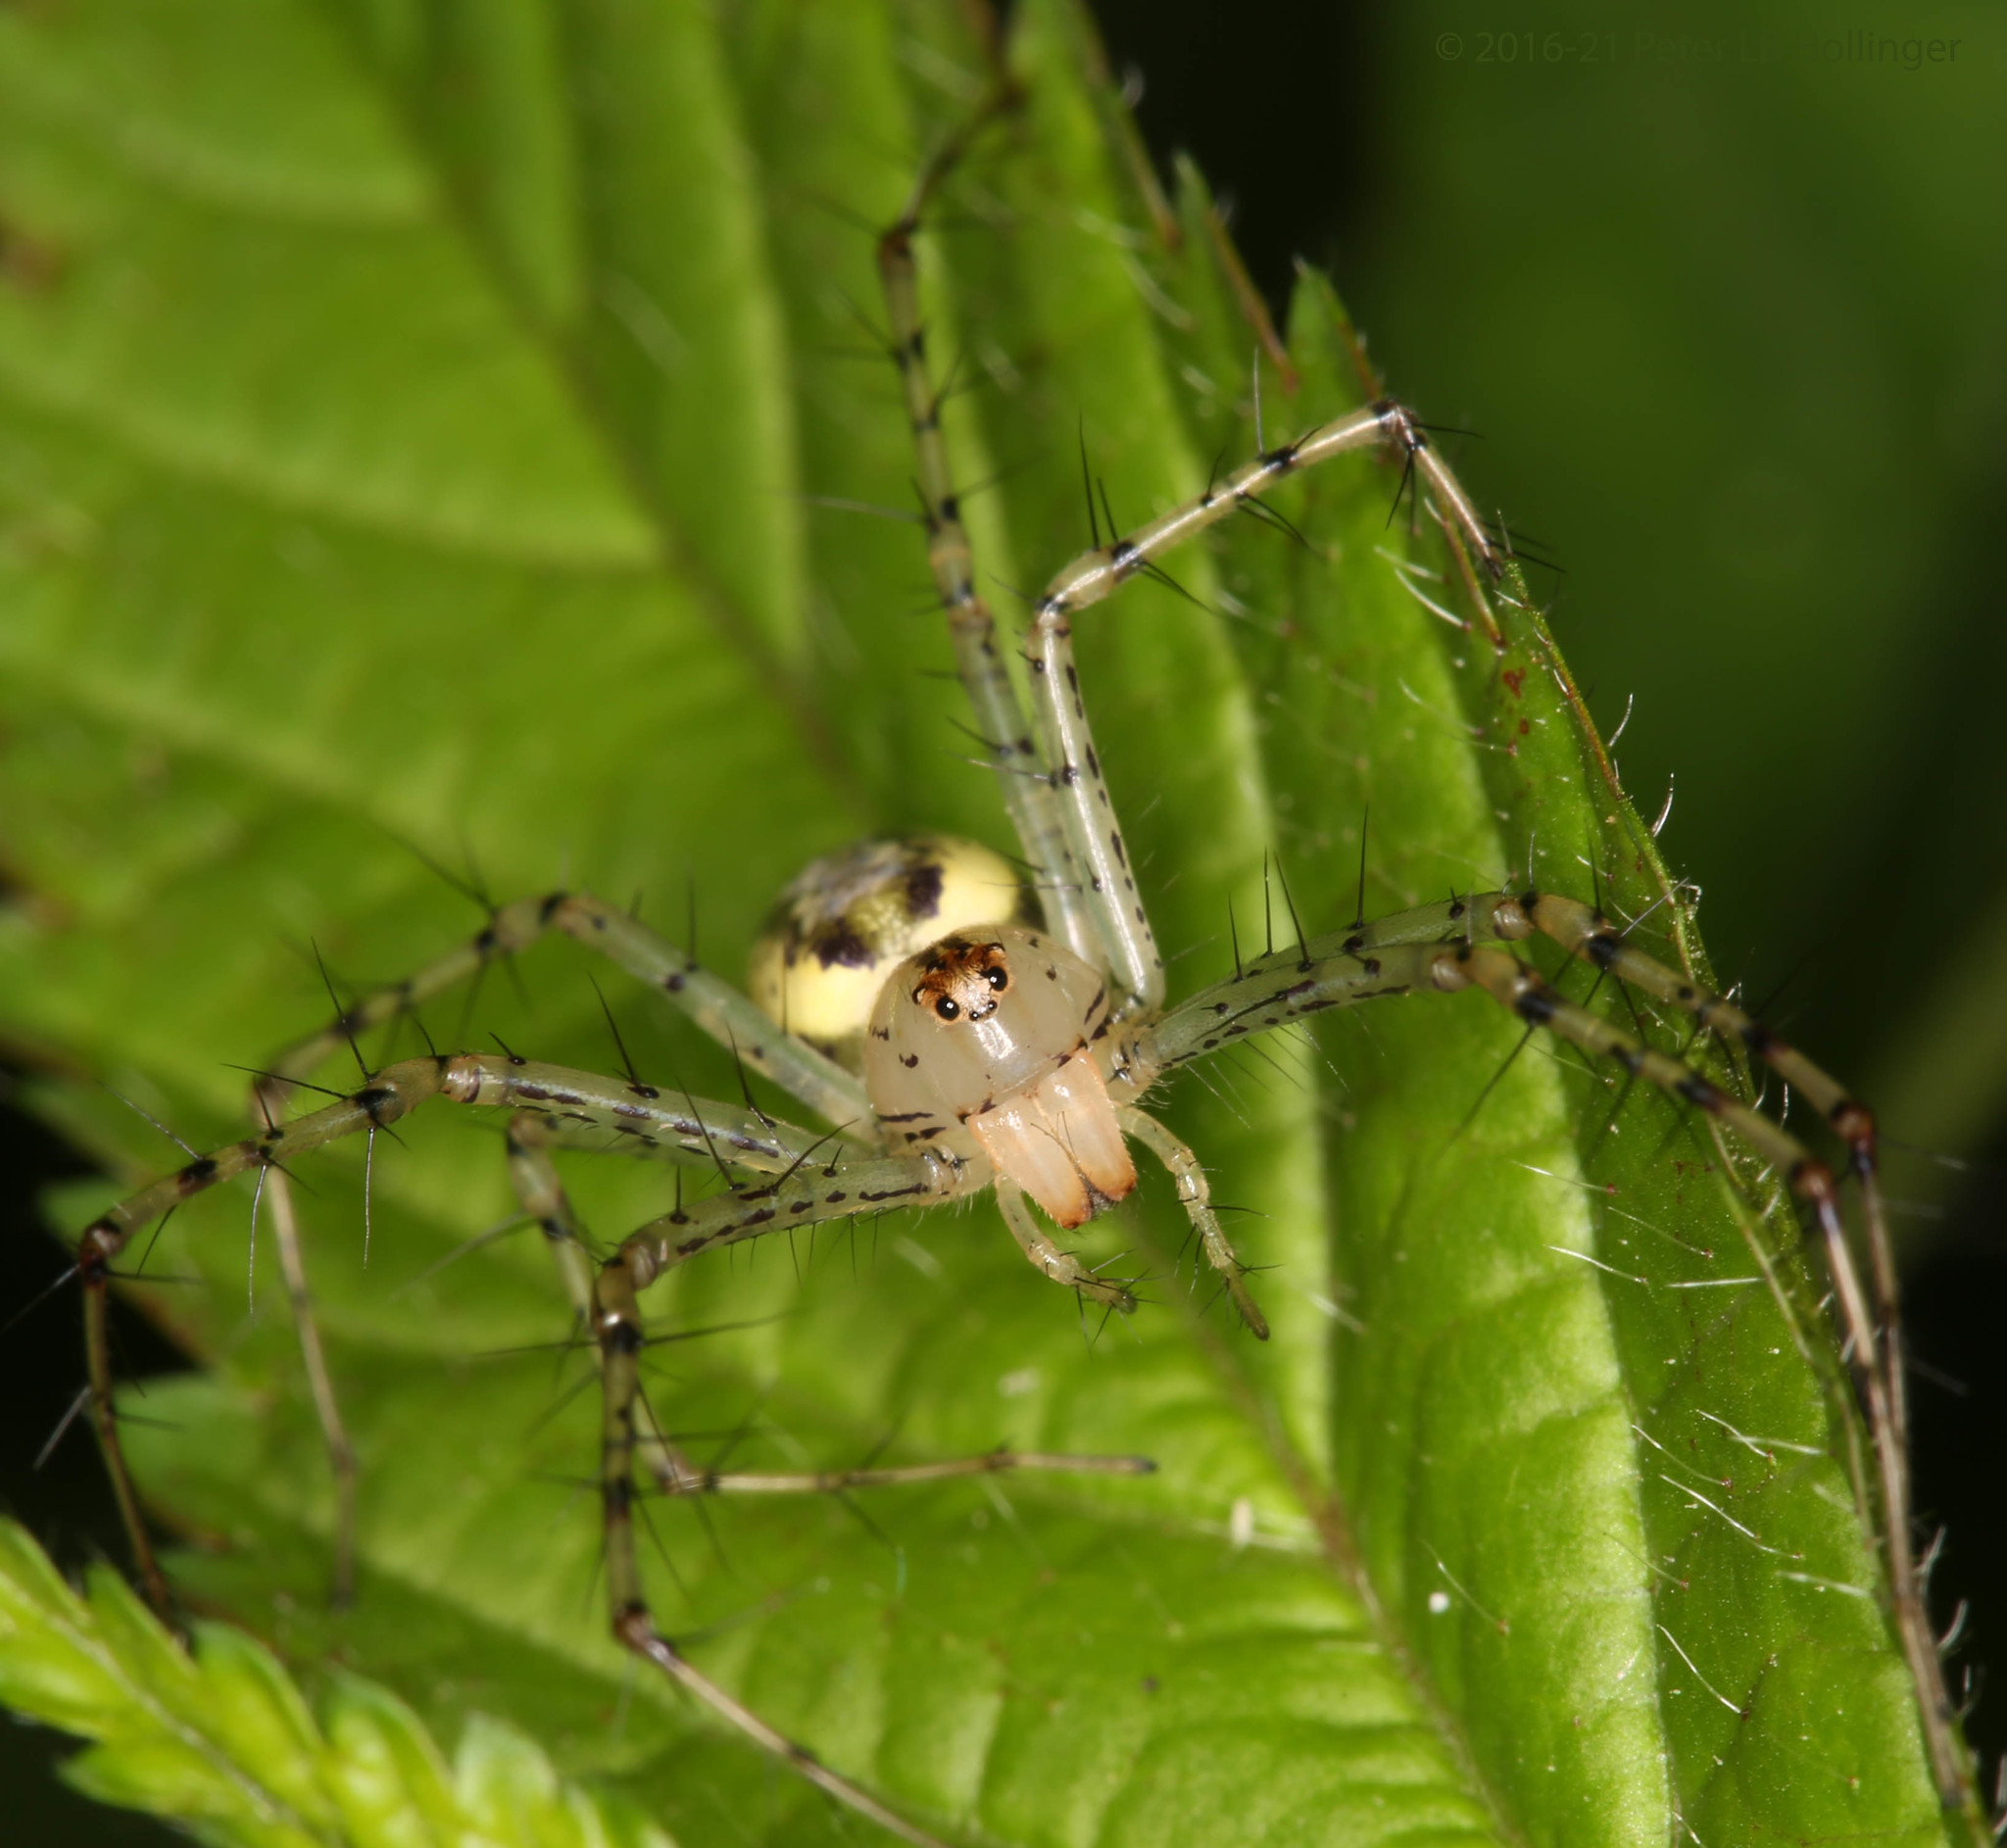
222 1742
439 428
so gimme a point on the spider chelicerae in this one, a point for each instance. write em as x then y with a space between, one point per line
960 1023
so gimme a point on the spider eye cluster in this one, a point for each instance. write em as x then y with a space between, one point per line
961 978
851 919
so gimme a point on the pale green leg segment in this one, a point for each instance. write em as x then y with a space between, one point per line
1022 778
811 1194
1045 1257
1195 1195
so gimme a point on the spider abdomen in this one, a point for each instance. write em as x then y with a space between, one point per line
840 927
988 1040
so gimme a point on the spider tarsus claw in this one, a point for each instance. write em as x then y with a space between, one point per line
1255 1323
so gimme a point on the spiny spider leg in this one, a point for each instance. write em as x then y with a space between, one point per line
1586 933
1100 572
1442 947
679 1477
1195 1195
711 1003
1050 775
636 1631
1045 1257
716 1007
533 1134
1021 776
694 1130
1047 773
1092 833
528 1142
841 1189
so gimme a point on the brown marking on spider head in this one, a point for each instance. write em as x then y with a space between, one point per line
961 978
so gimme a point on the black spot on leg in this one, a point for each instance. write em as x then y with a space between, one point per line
196 1174
94 1251
1700 1093
1604 949
1534 1006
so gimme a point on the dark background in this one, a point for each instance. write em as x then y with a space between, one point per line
1724 295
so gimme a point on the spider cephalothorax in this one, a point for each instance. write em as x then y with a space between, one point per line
989 1044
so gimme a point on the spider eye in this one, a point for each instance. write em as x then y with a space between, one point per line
947 1008
998 979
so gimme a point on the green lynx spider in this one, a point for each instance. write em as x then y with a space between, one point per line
781 1176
